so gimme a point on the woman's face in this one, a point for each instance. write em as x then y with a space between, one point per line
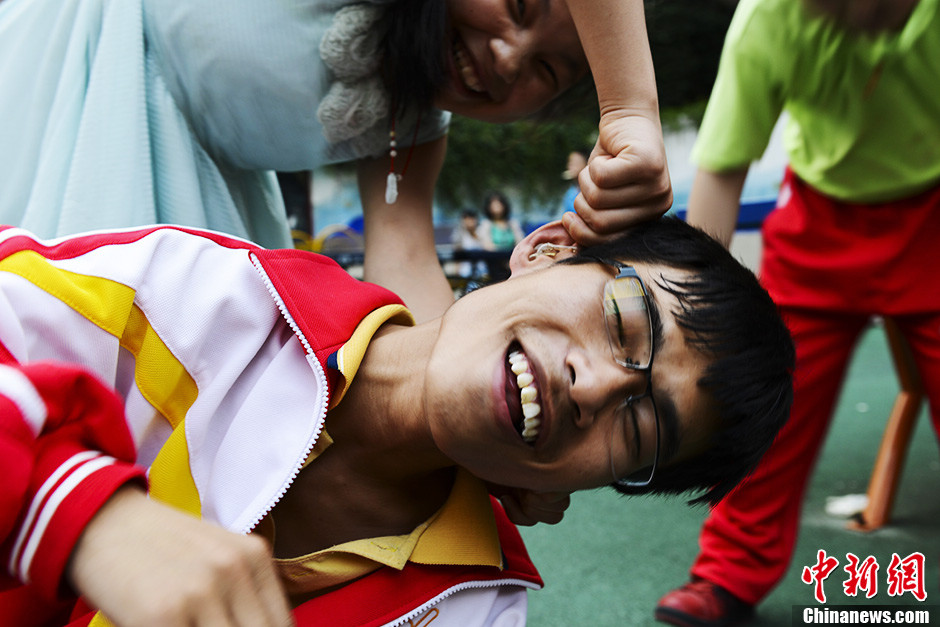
497 209
508 58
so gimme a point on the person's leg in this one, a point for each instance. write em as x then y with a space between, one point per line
748 539
922 332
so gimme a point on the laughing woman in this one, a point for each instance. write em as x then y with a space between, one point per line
158 111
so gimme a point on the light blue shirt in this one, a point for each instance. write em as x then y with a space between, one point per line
118 113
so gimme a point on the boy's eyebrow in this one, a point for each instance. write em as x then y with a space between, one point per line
665 407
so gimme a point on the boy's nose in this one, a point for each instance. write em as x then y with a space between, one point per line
600 384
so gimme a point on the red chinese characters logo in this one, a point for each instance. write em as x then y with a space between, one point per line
862 576
903 575
907 575
818 573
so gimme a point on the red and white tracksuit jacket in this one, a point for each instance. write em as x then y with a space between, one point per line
165 348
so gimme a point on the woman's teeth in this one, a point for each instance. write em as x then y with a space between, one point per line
528 395
467 73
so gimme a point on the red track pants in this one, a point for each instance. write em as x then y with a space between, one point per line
830 266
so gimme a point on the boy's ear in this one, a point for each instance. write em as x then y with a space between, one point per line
524 259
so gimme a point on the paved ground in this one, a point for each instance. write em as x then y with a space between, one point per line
611 559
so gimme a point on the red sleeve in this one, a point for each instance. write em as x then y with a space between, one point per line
65 448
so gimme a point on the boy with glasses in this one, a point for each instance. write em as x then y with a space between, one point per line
267 392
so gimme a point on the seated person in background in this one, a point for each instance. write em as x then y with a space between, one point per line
464 237
577 161
499 230
271 395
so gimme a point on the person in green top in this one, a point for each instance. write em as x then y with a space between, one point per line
854 235
499 230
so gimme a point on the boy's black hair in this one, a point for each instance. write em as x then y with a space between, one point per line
728 316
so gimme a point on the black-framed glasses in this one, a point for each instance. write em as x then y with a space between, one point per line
629 324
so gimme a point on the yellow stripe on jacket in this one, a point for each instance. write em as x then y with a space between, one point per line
110 306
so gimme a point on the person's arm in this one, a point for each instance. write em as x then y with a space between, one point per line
626 180
399 239
68 458
64 450
144 563
517 232
715 201
75 517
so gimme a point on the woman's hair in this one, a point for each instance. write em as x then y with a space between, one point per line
488 200
729 317
413 53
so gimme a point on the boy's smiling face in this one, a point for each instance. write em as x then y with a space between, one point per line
555 319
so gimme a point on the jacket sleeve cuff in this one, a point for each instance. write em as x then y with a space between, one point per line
62 509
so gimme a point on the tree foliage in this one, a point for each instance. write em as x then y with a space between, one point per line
685 40
524 159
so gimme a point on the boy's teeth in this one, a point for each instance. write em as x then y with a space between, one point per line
528 395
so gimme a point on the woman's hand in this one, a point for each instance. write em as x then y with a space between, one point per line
143 563
626 180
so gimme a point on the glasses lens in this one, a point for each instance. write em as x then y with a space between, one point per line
629 328
641 434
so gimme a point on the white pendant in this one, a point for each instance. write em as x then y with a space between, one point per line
391 188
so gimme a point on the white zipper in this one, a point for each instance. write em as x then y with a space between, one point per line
321 383
466 585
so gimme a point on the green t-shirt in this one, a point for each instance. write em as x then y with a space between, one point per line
863 112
